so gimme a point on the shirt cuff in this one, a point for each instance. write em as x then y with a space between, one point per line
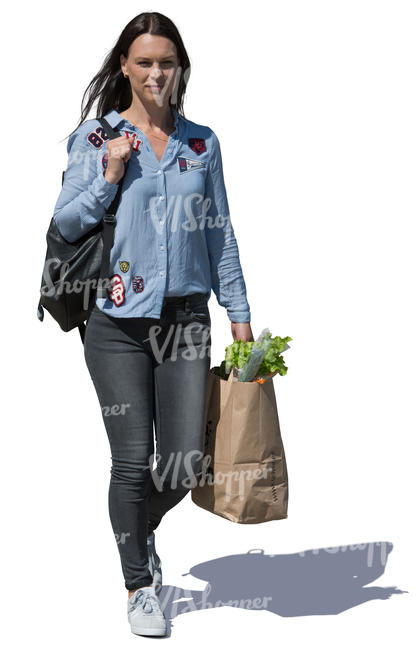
103 190
239 316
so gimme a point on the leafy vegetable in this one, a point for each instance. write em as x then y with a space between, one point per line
238 352
273 361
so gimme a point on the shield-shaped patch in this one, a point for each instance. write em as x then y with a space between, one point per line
197 144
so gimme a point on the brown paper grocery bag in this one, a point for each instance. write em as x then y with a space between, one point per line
245 479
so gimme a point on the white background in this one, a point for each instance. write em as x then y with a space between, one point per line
316 106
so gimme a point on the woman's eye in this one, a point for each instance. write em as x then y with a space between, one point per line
165 64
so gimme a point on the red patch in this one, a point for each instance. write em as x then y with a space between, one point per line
117 291
137 283
137 141
197 144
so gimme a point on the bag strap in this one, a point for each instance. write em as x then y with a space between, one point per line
109 223
109 220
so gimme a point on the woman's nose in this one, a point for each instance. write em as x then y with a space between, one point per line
155 71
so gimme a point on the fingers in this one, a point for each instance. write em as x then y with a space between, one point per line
121 147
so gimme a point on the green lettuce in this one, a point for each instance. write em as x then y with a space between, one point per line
237 353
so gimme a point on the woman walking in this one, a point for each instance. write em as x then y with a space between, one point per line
147 342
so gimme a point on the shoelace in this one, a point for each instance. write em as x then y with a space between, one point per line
148 602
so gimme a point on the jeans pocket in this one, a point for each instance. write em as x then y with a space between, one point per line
201 313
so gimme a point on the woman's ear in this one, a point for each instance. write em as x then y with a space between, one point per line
123 62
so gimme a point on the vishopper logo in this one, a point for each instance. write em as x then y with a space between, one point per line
234 482
56 287
160 97
115 409
176 596
370 551
83 158
192 349
187 207
177 461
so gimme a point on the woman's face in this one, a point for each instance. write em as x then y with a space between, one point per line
151 67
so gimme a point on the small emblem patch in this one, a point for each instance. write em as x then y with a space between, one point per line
97 137
124 266
187 164
117 291
105 160
137 283
198 145
137 141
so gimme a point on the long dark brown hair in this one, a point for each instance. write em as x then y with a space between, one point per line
112 89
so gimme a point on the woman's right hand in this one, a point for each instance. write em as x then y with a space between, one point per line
119 152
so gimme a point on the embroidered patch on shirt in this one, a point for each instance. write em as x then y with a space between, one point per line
117 291
124 266
197 144
97 137
137 283
137 141
187 165
105 160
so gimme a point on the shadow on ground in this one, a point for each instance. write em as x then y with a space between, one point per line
312 582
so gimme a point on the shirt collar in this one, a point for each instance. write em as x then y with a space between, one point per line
114 118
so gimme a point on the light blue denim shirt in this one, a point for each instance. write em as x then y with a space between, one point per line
173 233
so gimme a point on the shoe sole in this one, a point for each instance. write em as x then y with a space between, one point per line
148 631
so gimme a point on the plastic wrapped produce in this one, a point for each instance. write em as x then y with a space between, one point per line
255 360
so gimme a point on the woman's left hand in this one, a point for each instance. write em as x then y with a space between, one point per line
242 331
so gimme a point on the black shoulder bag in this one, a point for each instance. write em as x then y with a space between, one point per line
75 273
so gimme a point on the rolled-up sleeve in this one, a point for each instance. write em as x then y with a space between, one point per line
227 278
85 193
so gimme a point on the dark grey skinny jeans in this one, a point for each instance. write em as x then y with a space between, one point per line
146 372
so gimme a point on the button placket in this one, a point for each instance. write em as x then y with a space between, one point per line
151 161
160 207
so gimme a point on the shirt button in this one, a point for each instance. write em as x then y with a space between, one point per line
160 220
159 171
161 197
161 247
161 273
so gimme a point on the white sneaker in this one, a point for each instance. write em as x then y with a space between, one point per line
145 614
155 564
